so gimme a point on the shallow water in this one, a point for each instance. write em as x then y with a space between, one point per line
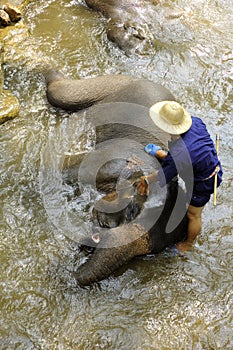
158 302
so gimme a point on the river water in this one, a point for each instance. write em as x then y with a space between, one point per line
157 302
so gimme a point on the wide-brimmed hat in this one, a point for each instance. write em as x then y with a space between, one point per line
171 117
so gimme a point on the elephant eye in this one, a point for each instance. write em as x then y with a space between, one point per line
96 238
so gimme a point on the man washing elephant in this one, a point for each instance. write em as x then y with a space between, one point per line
192 155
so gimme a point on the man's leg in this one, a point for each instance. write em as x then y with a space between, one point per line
194 228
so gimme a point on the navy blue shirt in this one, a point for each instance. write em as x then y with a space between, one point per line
193 156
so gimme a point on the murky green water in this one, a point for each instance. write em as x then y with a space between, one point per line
160 302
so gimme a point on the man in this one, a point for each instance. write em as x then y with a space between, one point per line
192 155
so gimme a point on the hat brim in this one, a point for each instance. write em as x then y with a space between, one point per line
173 129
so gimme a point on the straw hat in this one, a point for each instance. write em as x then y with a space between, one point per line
171 117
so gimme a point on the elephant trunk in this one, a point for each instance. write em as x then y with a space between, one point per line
117 247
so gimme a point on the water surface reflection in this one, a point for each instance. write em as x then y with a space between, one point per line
159 302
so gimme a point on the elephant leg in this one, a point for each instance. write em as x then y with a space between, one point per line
77 94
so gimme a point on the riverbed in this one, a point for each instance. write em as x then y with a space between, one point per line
157 302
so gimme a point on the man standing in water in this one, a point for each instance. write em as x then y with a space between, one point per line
191 154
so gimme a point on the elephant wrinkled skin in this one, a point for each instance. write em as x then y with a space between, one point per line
76 94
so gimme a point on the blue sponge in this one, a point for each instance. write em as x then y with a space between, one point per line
152 149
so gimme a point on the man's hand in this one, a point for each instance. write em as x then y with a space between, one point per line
143 186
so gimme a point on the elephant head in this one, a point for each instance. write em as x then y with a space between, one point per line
146 234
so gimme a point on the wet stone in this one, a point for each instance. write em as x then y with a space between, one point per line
13 12
9 14
9 106
4 18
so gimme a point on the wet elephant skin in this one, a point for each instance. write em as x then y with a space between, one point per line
77 94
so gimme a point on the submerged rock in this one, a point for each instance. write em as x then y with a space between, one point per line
9 106
9 14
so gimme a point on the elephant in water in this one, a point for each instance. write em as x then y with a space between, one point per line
142 26
127 21
118 108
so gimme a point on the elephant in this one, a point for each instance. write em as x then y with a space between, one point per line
127 21
77 94
118 108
